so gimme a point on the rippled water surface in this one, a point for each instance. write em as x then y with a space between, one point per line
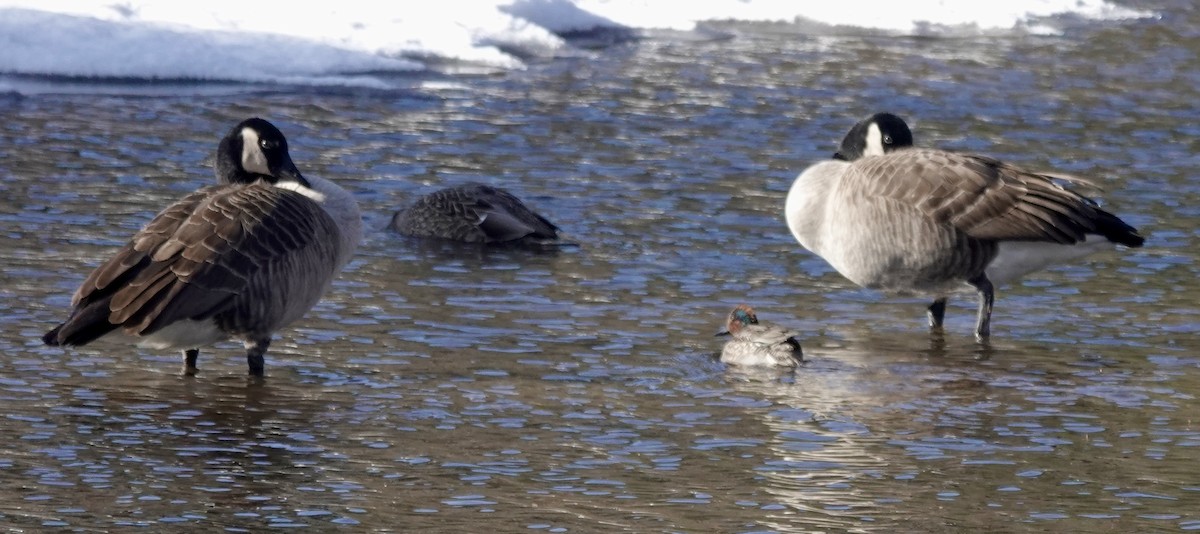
456 389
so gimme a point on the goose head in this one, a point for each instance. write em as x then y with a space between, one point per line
875 136
256 150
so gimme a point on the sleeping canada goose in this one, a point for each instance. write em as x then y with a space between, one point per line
758 343
896 218
238 260
474 213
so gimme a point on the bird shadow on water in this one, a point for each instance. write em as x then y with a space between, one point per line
863 347
216 398
430 256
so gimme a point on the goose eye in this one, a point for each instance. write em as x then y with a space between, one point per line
887 139
266 144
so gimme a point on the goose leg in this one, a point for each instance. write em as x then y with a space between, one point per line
189 361
983 324
937 312
254 355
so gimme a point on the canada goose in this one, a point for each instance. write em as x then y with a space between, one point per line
474 213
892 217
758 343
238 260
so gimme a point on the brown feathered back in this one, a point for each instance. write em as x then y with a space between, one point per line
986 198
201 253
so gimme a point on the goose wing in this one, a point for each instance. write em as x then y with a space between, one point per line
504 217
196 256
986 198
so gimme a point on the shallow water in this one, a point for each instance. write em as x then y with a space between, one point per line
454 389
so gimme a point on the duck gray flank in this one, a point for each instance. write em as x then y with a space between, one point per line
759 343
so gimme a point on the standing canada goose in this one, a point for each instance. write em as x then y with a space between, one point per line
474 213
892 217
238 260
758 343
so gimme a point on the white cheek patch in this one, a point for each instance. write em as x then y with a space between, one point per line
317 196
253 159
874 141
